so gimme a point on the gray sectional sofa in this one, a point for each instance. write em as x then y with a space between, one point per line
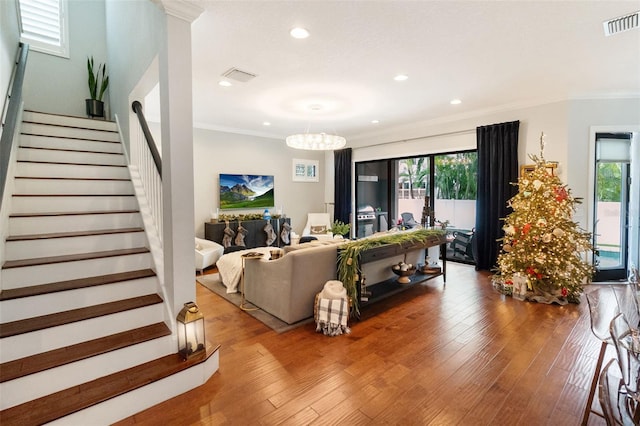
286 287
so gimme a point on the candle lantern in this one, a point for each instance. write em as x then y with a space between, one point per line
190 331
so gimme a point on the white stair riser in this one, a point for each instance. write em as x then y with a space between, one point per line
53 380
30 154
34 141
26 344
70 204
69 132
71 170
72 186
31 249
44 274
35 306
65 120
72 223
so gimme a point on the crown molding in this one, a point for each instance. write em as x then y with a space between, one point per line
187 10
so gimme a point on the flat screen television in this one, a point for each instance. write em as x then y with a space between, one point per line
246 191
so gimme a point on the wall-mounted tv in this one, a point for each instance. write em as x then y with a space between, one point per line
246 191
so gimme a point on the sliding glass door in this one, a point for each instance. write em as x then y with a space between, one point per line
611 206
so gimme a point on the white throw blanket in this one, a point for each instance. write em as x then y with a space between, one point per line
230 267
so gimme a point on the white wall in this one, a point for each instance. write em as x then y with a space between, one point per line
218 152
135 34
9 38
55 84
583 114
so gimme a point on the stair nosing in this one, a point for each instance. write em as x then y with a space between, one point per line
75 284
44 214
38 261
28 237
83 151
15 328
43 361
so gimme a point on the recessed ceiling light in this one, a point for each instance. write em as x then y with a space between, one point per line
299 33
266 123
401 77
224 83
316 107
455 102
375 121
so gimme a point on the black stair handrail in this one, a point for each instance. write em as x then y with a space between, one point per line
137 108
12 112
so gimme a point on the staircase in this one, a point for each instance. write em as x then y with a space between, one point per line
81 317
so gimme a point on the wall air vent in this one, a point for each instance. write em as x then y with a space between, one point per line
621 24
238 75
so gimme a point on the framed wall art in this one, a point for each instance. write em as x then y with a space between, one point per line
246 191
305 170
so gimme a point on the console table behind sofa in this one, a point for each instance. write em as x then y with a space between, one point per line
256 237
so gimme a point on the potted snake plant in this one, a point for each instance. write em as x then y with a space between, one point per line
98 83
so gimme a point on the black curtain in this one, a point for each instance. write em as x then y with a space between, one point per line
497 170
342 185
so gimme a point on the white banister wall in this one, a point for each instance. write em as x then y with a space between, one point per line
142 160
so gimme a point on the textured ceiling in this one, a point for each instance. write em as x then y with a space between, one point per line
489 54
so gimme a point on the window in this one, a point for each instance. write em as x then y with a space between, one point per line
43 24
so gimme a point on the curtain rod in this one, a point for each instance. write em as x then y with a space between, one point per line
457 132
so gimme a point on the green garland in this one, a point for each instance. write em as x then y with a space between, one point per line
244 217
349 255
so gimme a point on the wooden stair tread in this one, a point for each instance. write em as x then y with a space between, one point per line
72 257
14 328
67 126
68 163
68 401
74 195
72 234
46 360
36 290
72 178
84 151
73 213
65 115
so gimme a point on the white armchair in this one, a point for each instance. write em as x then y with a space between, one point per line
207 253
318 225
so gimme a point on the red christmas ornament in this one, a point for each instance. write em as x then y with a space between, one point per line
526 228
561 194
564 291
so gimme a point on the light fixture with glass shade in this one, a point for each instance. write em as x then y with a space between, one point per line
316 141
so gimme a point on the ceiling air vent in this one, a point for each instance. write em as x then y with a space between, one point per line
621 24
238 75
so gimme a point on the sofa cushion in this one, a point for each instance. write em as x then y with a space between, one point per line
318 229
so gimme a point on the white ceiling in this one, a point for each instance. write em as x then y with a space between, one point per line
489 54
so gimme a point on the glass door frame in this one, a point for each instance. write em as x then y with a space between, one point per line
633 224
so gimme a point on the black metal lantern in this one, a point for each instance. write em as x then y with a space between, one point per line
190 331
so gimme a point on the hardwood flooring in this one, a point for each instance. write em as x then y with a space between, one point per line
454 354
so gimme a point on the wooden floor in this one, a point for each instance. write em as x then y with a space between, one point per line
436 354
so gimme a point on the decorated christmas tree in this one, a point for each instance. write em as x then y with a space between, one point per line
543 249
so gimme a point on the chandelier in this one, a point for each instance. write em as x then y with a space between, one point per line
316 141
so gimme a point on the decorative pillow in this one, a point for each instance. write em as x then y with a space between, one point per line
319 229
198 247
